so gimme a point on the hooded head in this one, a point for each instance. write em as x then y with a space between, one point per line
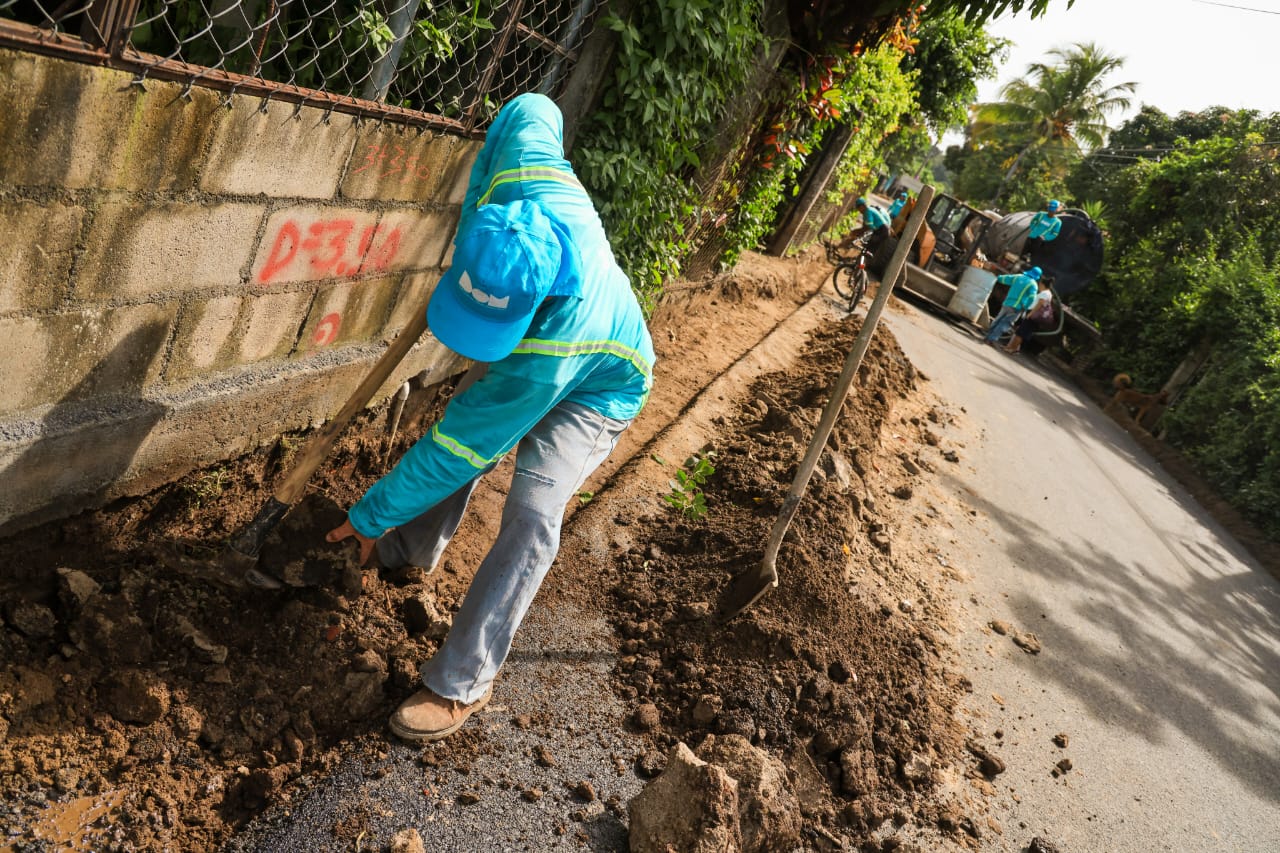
902 194
860 203
1034 273
504 265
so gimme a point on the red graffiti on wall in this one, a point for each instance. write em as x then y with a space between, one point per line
327 329
328 249
389 160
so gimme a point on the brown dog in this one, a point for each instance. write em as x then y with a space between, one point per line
1131 401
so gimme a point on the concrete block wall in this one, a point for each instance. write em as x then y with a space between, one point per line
183 277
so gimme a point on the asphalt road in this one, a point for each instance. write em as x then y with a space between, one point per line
1161 636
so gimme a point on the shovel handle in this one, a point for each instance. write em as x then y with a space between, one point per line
318 447
841 389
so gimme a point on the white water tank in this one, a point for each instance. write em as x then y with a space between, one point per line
971 293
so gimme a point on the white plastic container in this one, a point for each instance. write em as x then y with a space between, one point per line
971 293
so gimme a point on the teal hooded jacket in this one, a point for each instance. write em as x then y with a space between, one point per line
587 342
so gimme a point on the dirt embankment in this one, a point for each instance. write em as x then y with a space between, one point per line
144 708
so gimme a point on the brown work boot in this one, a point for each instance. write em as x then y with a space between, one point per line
427 716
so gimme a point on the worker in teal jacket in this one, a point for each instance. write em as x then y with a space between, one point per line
874 220
899 202
1045 226
535 297
1022 294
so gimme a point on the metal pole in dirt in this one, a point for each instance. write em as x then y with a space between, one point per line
747 588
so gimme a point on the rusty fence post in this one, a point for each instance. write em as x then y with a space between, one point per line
107 24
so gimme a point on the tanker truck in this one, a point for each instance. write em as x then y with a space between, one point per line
971 247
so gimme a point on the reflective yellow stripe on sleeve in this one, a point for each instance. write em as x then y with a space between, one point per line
535 173
459 449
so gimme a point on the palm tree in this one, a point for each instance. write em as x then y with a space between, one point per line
1057 110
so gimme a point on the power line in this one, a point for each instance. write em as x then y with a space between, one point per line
1242 8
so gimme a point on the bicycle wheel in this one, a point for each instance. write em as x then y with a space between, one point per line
859 288
844 279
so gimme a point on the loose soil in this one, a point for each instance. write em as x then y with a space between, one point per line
144 705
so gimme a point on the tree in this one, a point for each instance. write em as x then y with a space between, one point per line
1057 111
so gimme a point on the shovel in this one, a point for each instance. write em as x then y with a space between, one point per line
747 588
238 561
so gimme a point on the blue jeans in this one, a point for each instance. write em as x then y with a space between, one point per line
552 462
1001 323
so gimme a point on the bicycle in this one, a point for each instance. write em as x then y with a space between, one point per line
850 275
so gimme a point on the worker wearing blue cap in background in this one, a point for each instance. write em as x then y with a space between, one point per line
1021 296
533 293
1045 226
874 220
899 202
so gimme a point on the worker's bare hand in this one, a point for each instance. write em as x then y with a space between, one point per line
346 531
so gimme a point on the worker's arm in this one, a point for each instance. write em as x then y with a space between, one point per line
477 429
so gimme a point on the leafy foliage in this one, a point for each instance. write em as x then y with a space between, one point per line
678 62
1053 114
1194 259
686 495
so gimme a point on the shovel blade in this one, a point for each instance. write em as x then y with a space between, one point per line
745 590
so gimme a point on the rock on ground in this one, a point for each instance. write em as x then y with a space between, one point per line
691 807
768 811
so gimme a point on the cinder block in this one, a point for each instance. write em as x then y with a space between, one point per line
464 156
398 163
421 237
36 252
271 325
59 358
70 460
415 290
282 152
75 126
205 340
139 248
312 243
348 312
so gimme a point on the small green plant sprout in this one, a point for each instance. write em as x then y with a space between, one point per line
686 494
585 497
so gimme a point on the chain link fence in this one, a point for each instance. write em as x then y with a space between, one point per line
441 63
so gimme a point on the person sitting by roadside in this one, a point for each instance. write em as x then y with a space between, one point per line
1040 316
1021 296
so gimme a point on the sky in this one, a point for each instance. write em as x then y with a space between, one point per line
1183 54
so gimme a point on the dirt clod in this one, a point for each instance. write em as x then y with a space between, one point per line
407 841
1027 641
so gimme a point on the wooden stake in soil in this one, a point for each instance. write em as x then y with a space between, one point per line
747 588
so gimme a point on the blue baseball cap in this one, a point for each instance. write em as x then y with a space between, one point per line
860 202
1034 273
1053 205
505 262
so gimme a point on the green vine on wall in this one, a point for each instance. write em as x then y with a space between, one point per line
678 63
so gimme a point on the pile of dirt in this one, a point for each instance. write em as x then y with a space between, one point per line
837 671
146 705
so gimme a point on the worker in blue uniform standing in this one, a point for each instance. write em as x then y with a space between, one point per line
535 296
1045 226
899 202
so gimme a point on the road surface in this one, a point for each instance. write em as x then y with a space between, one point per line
1161 636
